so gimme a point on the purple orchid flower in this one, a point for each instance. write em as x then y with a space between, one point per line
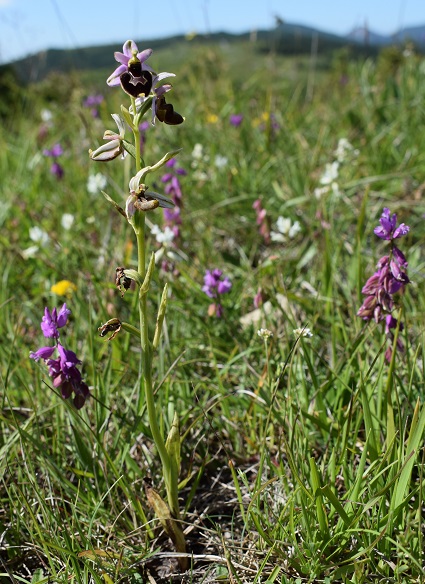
130 50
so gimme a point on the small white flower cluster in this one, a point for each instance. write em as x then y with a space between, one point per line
285 229
302 332
344 150
46 117
67 221
328 181
264 333
40 238
163 237
96 183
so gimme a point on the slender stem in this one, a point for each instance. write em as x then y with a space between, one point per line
146 389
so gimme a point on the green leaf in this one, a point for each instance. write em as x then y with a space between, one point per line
128 147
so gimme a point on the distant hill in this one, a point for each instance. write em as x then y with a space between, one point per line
290 39
363 35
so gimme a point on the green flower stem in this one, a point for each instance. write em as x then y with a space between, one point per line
129 328
170 477
136 132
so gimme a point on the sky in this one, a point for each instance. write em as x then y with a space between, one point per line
29 26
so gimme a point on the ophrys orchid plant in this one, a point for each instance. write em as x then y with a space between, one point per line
147 95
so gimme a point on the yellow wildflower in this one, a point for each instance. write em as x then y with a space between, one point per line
212 118
63 288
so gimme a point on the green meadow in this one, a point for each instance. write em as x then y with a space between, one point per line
300 436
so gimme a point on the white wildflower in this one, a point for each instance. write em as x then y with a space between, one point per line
344 149
303 332
330 174
264 333
200 176
220 161
67 221
198 151
285 228
96 182
320 191
294 229
46 116
30 252
164 237
39 236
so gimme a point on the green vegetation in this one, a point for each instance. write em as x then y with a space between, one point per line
301 458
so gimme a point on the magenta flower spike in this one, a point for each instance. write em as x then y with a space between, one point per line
63 370
389 279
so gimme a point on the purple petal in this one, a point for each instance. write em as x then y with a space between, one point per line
48 324
114 78
129 47
210 280
381 232
401 230
208 291
390 323
64 312
68 360
372 284
42 353
162 89
144 55
224 286
399 257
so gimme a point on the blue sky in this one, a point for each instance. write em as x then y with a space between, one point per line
28 26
